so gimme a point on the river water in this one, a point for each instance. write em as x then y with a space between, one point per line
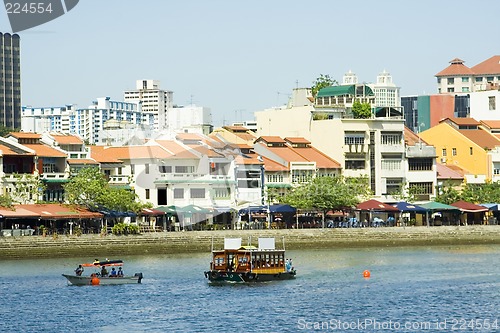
414 289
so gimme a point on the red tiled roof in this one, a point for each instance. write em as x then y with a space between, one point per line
271 165
80 161
446 172
491 124
45 151
67 139
411 138
247 159
271 139
25 135
490 66
175 150
482 138
456 68
462 121
312 154
297 140
6 150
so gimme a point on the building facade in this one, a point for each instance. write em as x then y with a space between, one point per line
155 102
10 80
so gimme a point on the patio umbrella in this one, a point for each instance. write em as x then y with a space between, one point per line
404 206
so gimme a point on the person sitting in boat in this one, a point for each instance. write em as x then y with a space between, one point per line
79 270
104 271
288 265
120 272
113 272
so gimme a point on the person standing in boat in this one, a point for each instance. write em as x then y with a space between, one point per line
79 270
104 271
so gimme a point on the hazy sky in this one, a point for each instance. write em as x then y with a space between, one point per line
237 57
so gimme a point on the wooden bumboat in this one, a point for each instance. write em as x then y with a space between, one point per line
236 263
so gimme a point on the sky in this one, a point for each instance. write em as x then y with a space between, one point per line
238 57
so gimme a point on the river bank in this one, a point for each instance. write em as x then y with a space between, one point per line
29 247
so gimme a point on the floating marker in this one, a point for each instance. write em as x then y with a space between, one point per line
366 273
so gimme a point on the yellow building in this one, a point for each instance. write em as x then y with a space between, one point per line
462 142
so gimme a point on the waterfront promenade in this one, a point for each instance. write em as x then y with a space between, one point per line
29 247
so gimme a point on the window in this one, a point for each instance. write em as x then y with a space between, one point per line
421 188
354 164
132 169
197 193
222 193
454 151
393 185
120 171
355 138
471 151
444 152
184 169
465 79
451 89
491 103
490 79
451 80
165 168
178 193
301 176
439 80
275 178
147 193
391 164
391 138
420 164
465 89
146 167
479 79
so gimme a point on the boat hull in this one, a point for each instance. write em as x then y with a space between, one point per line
248 277
89 280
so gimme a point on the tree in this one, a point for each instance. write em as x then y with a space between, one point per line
5 201
447 194
321 82
27 188
361 111
86 187
329 193
90 188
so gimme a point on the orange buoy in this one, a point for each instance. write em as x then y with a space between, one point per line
366 273
95 281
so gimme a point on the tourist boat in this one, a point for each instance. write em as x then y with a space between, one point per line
96 278
237 263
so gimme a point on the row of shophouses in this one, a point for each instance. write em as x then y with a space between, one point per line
233 166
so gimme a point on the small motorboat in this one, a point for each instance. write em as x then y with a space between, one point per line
100 275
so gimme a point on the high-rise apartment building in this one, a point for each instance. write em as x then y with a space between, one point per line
155 103
10 80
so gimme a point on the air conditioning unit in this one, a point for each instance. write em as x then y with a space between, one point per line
443 159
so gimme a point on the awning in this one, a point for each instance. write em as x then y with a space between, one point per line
438 206
408 207
491 206
375 205
152 212
468 207
282 209
253 210
194 209
169 210
221 210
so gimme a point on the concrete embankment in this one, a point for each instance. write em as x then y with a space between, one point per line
29 247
